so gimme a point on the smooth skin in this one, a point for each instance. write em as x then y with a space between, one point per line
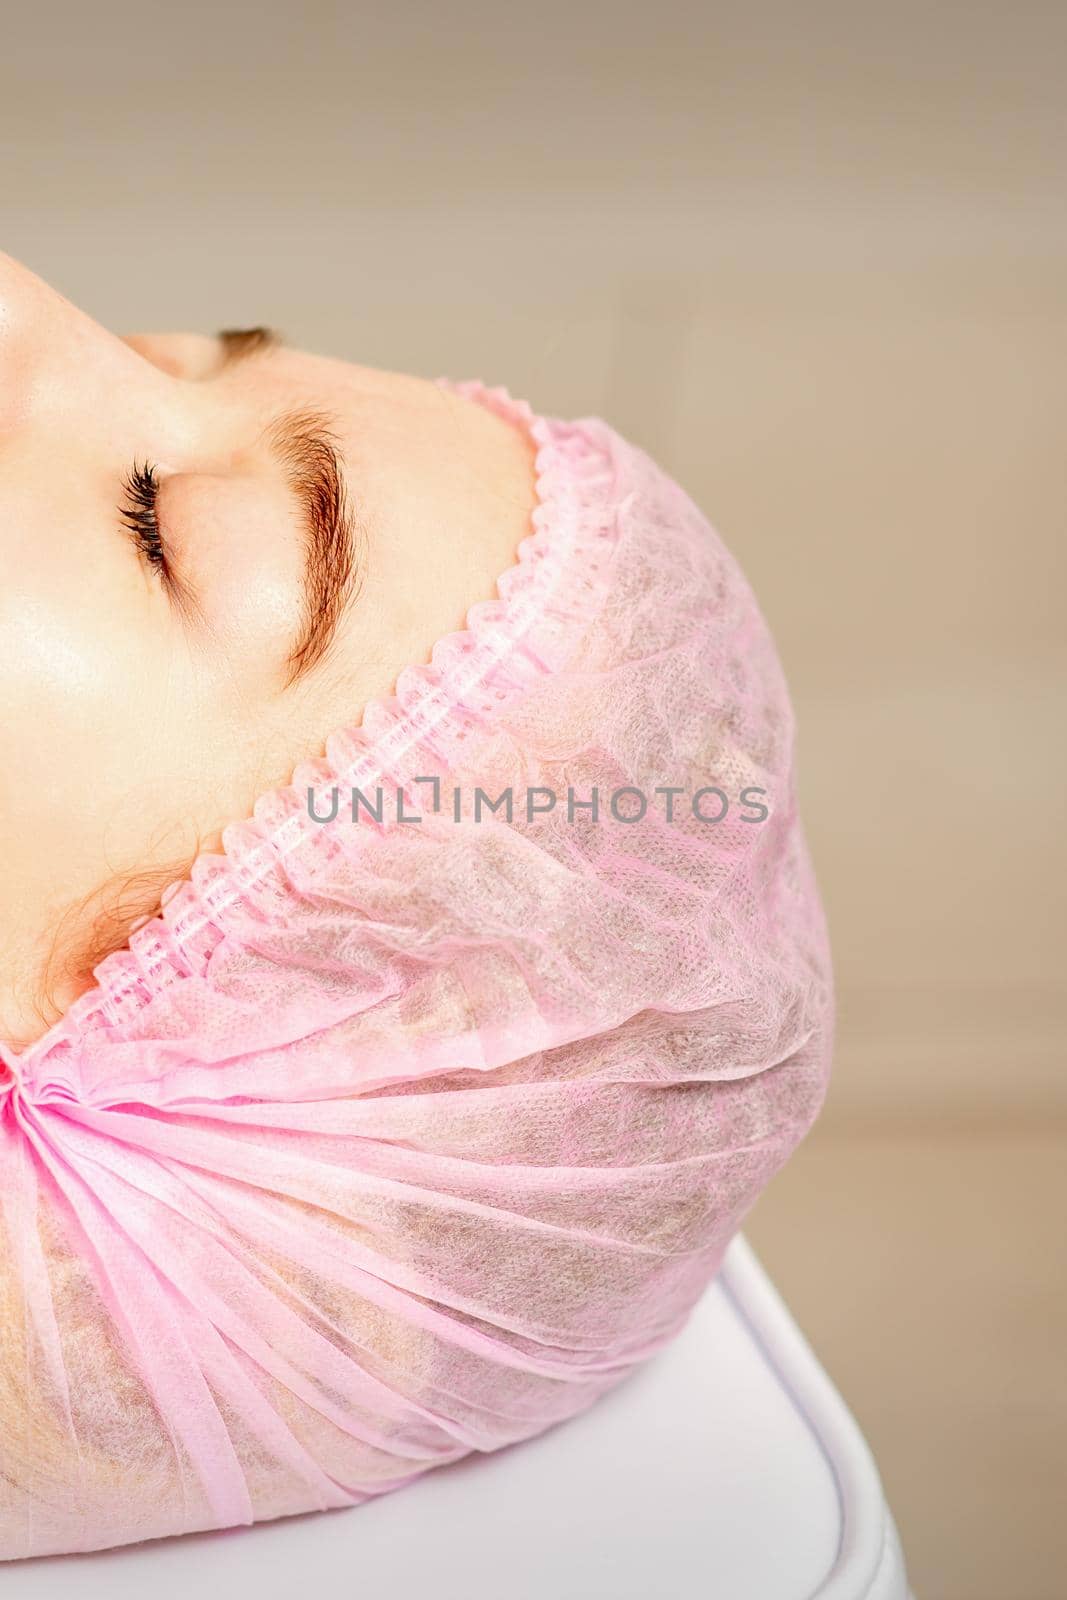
133 729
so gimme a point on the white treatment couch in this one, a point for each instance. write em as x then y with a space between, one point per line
727 1469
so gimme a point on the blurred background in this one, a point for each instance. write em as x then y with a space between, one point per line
813 257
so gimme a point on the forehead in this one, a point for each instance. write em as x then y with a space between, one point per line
372 410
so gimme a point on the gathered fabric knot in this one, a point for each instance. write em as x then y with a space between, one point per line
9 1074
38 1081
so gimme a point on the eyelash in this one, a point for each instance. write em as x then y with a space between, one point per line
138 513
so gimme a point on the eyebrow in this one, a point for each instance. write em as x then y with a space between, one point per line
303 444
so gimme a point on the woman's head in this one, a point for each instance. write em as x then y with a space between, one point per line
382 1144
213 551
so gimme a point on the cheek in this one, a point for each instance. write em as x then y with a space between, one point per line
70 738
100 723
62 653
123 734
71 595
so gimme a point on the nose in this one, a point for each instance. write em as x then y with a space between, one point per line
52 355
30 310
21 294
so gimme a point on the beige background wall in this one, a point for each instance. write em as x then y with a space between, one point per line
813 256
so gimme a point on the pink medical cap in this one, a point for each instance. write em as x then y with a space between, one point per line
391 1140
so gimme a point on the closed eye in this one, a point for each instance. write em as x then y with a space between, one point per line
139 517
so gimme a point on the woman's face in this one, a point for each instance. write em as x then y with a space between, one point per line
213 551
